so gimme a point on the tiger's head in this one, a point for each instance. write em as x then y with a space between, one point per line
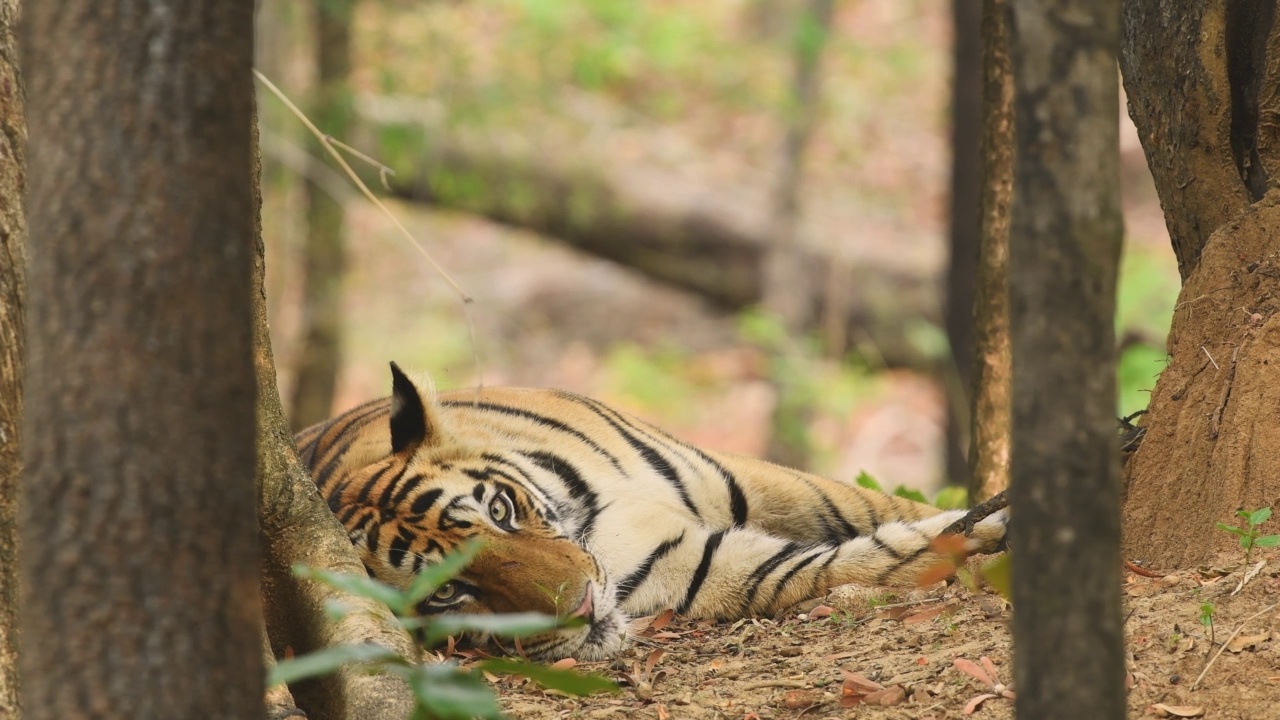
435 491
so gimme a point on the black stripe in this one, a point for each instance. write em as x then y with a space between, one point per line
578 489
423 502
344 513
850 532
526 481
737 499
348 431
629 584
819 573
883 577
899 557
407 487
782 583
367 489
446 521
648 453
399 548
757 576
539 419
700 575
305 442
385 499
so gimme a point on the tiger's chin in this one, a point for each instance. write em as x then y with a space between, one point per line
602 639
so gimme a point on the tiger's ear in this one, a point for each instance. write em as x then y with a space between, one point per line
413 418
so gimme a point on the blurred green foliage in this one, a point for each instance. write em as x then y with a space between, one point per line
950 497
1148 288
441 690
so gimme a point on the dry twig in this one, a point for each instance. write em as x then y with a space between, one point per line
1247 620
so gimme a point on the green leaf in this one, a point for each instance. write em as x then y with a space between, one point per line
323 662
903 491
1206 614
1267 541
431 577
1231 529
999 574
866 481
1259 516
952 497
562 680
361 585
440 627
449 693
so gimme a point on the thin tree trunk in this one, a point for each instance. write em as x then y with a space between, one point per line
966 179
991 422
785 277
297 527
139 561
1064 254
784 261
13 290
324 255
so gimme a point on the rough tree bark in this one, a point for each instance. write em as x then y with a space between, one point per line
138 553
785 279
296 526
992 372
709 242
13 239
1203 82
966 179
1064 254
324 254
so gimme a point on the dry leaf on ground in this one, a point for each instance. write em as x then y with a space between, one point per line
1179 711
1243 642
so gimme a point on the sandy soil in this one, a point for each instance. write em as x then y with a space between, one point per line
915 645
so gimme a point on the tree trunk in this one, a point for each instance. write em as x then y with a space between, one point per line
139 562
785 279
1064 253
991 422
324 255
966 179
1192 75
784 271
13 291
1202 83
297 527
711 243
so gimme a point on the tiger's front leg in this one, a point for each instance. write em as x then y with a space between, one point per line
743 571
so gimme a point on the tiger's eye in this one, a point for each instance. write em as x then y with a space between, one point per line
445 592
500 508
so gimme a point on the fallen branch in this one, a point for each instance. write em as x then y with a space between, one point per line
711 242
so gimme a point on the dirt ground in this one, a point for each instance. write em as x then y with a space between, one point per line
862 653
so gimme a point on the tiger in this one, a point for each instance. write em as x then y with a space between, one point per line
589 513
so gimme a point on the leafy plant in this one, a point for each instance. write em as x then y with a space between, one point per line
1206 619
442 691
948 498
1249 536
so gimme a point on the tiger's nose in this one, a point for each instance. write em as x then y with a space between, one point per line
587 608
